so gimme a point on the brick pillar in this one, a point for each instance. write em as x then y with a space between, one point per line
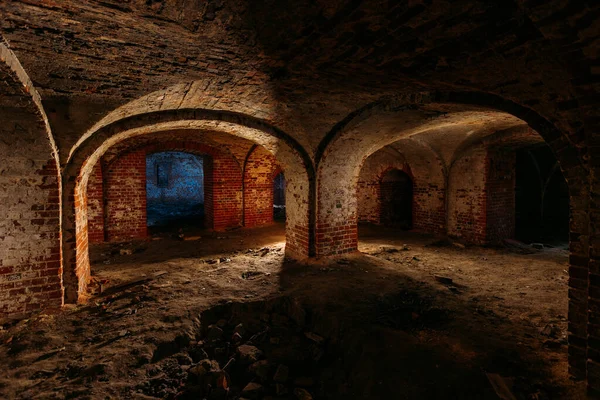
576 285
467 197
500 199
259 173
581 269
336 228
126 197
429 208
222 192
95 205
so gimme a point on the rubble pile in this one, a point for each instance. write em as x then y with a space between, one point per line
241 352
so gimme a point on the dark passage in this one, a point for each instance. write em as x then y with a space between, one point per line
396 199
175 190
541 196
279 197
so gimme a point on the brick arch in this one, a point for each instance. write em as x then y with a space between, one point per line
427 172
374 126
558 141
481 186
342 151
83 158
386 189
124 219
30 263
405 168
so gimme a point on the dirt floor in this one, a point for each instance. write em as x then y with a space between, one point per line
225 315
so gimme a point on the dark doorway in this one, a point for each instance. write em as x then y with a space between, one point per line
174 190
541 197
279 197
396 191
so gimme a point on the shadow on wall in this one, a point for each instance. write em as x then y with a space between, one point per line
541 196
279 197
175 188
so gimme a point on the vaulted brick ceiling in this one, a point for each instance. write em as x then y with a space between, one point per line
304 65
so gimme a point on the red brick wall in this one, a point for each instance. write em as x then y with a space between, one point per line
126 197
500 187
369 201
126 190
429 208
467 197
223 187
429 212
95 205
30 254
30 242
209 210
482 196
259 173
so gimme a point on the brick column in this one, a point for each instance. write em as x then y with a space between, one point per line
500 199
223 192
126 197
259 173
95 205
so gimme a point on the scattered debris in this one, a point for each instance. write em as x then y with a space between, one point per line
264 251
389 249
517 246
302 394
192 238
314 337
250 274
249 353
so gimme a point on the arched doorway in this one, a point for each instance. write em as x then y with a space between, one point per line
396 193
541 197
174 190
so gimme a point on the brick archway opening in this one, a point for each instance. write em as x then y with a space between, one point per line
396 199
541 197
174 190
226 213
424 116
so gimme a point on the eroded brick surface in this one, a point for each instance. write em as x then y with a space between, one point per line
30 264
259 174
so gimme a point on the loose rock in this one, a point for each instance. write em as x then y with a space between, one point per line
282 374
302 394
249 353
